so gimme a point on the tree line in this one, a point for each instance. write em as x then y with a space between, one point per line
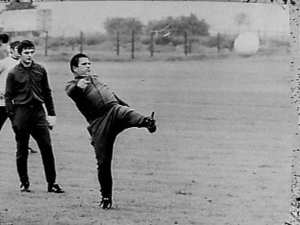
166 31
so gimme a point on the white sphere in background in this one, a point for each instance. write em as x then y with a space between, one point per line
246 44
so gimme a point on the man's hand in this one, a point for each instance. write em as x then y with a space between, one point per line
82 83
51 121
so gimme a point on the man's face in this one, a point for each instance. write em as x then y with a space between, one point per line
84 67
26 56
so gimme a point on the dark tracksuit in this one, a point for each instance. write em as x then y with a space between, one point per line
27 88
107 116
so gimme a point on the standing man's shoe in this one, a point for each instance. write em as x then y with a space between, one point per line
55 188
106 203
25 187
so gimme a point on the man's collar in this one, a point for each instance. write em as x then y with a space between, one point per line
84 76
22 67
15 58
31 64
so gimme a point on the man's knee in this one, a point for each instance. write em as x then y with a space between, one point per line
22 152
103 164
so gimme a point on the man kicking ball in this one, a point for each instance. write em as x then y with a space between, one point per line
107 116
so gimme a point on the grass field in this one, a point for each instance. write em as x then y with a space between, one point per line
222 153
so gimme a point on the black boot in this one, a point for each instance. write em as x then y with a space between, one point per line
25 187
55 188
150 123
106 203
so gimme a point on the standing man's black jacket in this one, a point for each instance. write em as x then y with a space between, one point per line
27 85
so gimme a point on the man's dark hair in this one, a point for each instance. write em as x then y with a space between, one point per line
75 60
4 38
13 44
26 44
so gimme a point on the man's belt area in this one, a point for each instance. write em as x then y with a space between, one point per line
32 104
104 109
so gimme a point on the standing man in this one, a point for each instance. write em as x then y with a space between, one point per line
107 116
6 65
27 89
4 46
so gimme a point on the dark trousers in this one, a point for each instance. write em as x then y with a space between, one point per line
3 116
31 120
104 131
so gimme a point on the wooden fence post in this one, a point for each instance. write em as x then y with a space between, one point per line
81 41
152 44
185 43
218 42
46 43
118 43
132 44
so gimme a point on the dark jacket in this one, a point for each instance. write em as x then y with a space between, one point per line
28 85
94 100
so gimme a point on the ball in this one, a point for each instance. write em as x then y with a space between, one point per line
246 44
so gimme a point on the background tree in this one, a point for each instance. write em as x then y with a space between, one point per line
124 26
178 26
192 25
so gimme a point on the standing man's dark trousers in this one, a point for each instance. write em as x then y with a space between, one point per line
3 116
104 131
31 120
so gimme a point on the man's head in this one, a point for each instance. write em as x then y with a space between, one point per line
80 64
26 50
4 38
14 49
24 45
14 44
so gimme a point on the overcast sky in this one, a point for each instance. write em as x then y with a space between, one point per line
69 18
